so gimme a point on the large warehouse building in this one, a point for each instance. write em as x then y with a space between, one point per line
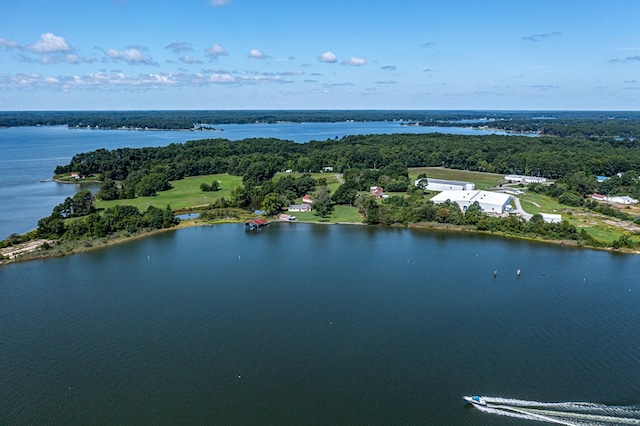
490 202
444 185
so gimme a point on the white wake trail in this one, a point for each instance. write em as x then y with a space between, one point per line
565 413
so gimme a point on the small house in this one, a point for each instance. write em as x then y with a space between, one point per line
299 208
307 199
376 191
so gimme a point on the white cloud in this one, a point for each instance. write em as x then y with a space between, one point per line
9 44
189 60
131 55
50 43
180 47
218 3
117 80
328 57
256 54
355 61
215 51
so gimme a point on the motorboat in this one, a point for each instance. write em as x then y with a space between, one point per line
475 400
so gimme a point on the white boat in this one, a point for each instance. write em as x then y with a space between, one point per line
475 400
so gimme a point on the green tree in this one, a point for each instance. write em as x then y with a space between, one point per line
321 201
272 203
369 209
108 190
345 194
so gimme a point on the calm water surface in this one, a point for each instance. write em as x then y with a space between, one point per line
312 324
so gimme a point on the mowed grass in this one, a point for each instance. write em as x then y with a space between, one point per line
480 179
340 214
184 194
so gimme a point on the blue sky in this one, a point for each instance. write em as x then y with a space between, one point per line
309 54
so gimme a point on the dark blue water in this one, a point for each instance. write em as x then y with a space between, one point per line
30 154
314 324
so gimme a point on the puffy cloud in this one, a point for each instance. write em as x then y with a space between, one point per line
328 57
215 51
218 3
189 60
256 54
179 47
355 61
50 43
131 55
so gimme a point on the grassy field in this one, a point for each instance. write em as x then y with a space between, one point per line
340 214
184 193
482 180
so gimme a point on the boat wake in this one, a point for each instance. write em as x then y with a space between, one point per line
564 413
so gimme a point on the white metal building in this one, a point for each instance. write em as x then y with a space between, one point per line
490 202
525 179
444 185
551 218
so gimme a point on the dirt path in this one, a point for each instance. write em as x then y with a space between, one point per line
13 251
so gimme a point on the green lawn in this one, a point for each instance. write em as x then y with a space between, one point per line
339 214
184 193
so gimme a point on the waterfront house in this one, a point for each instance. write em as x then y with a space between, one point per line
299 208
256 224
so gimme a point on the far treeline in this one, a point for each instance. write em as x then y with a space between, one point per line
550 157
579 124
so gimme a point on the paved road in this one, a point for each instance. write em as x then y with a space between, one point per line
520 210
339 178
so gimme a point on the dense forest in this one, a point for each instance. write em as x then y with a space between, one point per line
581 124
550 157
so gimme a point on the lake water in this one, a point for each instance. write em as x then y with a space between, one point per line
303 324
30 154
317 325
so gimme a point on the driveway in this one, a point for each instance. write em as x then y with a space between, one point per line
520 210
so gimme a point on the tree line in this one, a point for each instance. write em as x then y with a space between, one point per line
77 219
550 157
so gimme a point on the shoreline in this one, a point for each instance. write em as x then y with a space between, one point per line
78 247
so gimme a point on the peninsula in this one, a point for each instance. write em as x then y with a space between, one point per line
569 202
